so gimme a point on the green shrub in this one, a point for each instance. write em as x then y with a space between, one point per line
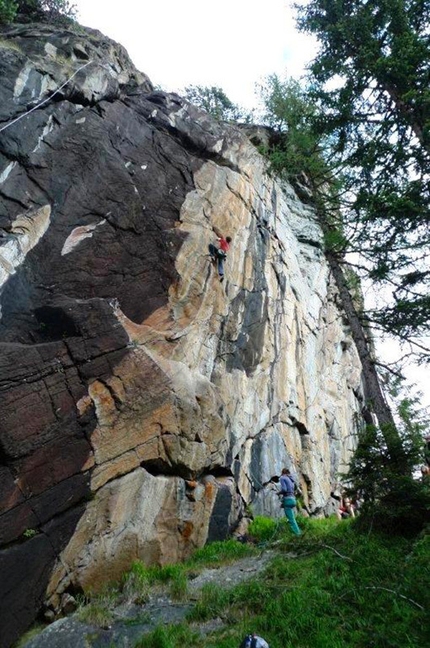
393 500
263 529
97 609
215 553
213 100
29 533
56 11
179 586
8 9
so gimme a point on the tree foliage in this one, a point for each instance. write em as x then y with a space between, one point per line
393 501
36 10
58 9
365 153
214 101
371 82
299 148
8 9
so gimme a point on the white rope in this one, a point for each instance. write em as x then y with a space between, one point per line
45 100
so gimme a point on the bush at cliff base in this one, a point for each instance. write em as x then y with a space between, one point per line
394 500
8 10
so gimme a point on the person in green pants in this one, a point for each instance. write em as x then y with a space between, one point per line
289 503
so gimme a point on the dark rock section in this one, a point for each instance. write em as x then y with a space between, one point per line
44 448
94 168
90 172
248 347
219 527
91 154
25 569
244 348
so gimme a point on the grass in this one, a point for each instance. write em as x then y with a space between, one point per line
10 45
30 634
98 609
220 553
331 588
140 581
170 636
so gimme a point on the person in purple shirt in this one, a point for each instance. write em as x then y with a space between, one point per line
288 487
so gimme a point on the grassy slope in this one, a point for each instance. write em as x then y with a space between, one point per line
331 588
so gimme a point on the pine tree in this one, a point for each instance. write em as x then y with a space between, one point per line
371 81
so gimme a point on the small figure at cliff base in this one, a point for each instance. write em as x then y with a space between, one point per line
219 251
346 509
289 502
254 641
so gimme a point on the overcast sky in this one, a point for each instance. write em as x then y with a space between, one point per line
232 44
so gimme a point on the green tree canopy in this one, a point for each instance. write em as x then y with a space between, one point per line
371 80
8 9
34 10
300 148
214 101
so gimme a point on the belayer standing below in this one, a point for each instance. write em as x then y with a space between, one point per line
288 487
219 252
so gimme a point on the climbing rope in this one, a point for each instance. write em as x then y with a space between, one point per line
45 100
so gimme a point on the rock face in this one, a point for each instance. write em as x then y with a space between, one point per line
144 404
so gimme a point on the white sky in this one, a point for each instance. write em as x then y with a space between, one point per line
232 44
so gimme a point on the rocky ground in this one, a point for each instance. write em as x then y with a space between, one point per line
131 621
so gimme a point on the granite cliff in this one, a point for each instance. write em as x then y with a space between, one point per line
143 404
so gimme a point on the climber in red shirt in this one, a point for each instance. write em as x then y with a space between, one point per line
219 252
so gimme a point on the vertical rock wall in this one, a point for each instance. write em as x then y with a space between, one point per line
144 403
